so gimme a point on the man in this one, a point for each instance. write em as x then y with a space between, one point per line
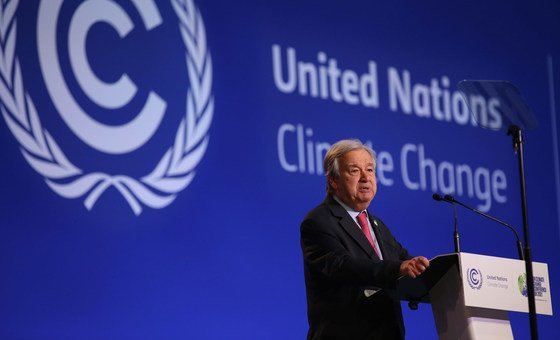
350 254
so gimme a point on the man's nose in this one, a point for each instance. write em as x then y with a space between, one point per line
364 176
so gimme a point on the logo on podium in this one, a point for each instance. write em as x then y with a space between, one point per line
474 278
522 284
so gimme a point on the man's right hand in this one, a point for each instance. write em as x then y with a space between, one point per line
414 267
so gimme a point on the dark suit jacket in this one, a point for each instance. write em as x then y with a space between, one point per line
339 264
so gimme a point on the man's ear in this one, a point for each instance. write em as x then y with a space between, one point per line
332 183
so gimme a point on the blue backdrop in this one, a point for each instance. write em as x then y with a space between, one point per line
159 157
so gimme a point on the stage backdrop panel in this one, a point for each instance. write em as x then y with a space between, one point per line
158 156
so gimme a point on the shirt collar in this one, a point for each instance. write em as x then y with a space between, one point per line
353 213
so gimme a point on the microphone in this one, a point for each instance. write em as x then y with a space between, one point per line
438 197
451 199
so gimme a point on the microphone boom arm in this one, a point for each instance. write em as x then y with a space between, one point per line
451 199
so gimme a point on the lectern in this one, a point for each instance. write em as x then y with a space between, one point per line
471 294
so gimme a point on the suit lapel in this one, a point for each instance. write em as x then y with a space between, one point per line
350 227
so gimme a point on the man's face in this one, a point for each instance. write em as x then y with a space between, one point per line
356 186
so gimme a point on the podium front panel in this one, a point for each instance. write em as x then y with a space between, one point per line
500 283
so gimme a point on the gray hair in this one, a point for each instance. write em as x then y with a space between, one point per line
340 148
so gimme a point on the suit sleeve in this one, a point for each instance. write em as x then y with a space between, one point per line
324 251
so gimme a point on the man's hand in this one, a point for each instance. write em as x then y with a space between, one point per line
414 267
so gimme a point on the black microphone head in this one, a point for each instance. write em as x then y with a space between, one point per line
449 198
437 197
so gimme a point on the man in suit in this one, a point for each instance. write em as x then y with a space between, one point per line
351 259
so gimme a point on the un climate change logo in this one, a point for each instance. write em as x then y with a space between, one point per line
522 284
474 278
175 169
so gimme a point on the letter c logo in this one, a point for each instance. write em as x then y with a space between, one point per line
106 138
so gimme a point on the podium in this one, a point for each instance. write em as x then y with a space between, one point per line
472 294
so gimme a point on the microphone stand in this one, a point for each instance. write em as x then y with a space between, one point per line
456 232
452 200
517 140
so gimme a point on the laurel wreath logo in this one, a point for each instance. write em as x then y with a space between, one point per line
175 170
474 278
